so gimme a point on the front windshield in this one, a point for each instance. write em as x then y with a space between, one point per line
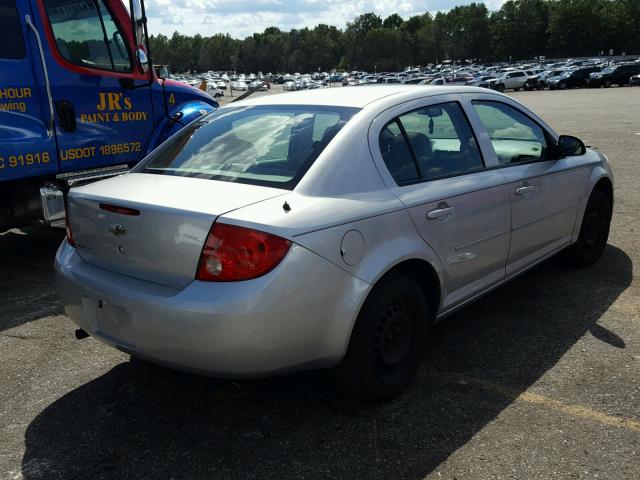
271 145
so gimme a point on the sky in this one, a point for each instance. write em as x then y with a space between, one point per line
241 18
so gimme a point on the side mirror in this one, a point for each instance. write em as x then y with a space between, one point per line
137 20
569 146
143 60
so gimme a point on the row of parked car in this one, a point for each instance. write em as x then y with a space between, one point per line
563 77
217 84
597 72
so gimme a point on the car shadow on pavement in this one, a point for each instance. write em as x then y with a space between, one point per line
27 286
142 421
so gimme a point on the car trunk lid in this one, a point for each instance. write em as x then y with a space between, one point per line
153 227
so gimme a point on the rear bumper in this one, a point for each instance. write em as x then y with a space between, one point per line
299 316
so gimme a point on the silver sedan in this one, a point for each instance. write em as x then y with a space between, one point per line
326 229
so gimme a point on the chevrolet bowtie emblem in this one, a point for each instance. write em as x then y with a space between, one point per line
118 230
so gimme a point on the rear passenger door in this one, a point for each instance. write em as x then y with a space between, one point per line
430 158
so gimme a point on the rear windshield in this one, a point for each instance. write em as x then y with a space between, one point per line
271 145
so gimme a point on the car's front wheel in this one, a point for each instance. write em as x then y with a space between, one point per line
388 341
594 232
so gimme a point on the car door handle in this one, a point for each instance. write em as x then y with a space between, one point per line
525 191
439 212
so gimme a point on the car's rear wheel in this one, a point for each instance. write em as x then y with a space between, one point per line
594 232
388 341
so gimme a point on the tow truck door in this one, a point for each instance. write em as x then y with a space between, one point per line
101 96
27 143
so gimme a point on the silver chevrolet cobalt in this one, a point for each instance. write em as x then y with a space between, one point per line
326 229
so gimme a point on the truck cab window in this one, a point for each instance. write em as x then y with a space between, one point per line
11 40
87 35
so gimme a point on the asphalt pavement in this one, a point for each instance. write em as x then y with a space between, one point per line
538 380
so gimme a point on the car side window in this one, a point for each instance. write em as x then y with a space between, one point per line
87 35
11 40
396 154
429 143
515 137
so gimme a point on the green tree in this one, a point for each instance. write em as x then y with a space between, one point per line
519 29
579 27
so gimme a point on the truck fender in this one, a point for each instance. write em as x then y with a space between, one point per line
179 117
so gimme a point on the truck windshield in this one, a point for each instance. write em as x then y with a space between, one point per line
270 145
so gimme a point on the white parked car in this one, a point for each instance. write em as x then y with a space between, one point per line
326 229
259 85
214 91
240 86
513 80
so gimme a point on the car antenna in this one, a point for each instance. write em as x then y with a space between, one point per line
249 92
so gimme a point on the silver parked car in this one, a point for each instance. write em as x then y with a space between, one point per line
326 229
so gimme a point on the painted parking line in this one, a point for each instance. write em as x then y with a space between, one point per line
513 394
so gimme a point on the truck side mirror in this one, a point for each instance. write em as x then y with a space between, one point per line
143 60
137 21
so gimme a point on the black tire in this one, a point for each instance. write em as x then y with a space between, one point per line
500 87
517 89
388 341
607 83
562 85
594 232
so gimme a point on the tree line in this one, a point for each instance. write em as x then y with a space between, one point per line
520 29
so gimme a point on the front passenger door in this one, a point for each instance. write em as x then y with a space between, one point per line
543 190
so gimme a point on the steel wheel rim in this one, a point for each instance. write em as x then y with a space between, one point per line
393 341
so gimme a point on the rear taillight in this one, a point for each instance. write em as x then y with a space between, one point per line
67 226
233 253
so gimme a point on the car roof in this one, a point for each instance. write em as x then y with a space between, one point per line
358 97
